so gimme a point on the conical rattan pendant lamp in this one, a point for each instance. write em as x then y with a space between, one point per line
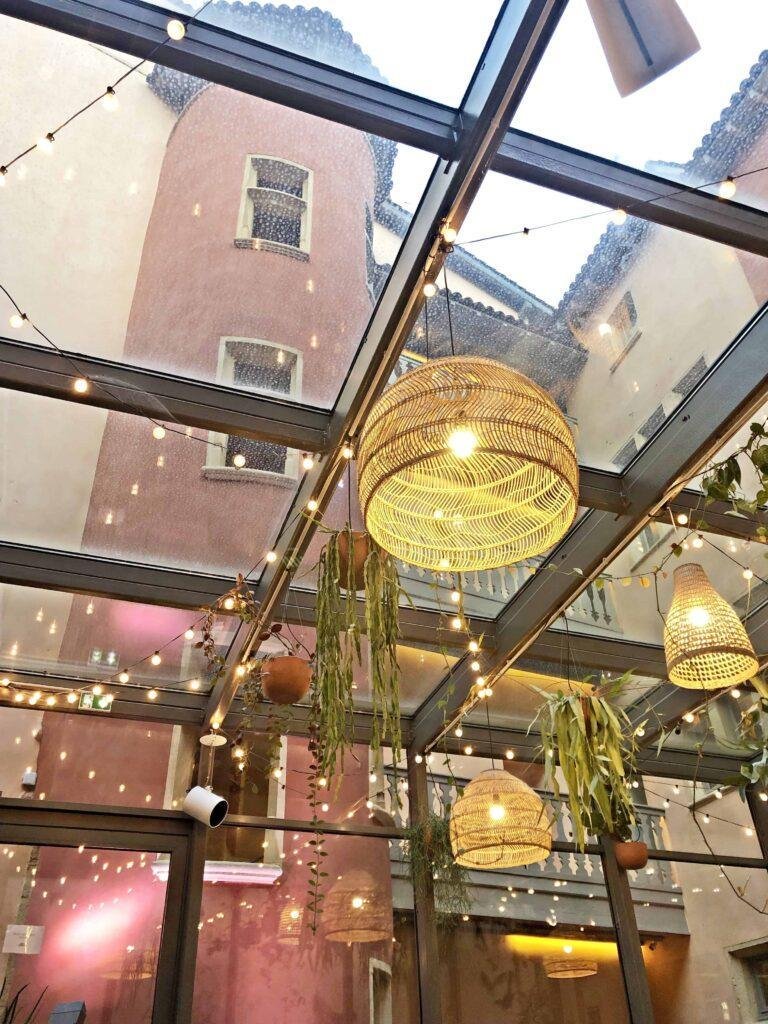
499 822
465 464
705 644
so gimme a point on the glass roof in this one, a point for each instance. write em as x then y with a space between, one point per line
56 633
603 315
697 123
193 206
401 46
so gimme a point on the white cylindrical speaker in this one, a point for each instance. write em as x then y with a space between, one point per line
205 806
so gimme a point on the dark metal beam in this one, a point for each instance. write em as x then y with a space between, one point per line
717 517
734 389
510 56
610 654
613 185
163 396
425 911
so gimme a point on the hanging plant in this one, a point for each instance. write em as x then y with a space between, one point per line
428 853
338 645
593 745
723 479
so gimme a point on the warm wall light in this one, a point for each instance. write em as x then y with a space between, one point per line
705 644
479 442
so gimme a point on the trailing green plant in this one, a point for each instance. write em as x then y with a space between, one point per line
593 745
723 479
12 1010
315 893
382 622
429 855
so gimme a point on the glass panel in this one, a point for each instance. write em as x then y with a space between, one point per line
81 926
220 236
705 957
701 121
123 493
587 309
92 638
95 758
255 936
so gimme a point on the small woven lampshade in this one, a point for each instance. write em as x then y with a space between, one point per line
562 967
499 822
466 464
357 909
289 926
705 644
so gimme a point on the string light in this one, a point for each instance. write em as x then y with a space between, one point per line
418 759
449 234
469 750
307 462
748 574
736 692
189 634
689 717
727 189
271 557
81 386
312 505
97 690
176 29
509 754
455 596
682 519
429 290
347 452
458 731
16 320
475 666
229 603
45 145
71 697
155 659
110 101
473 646
123 677
619 216
158 432
238 461
152 695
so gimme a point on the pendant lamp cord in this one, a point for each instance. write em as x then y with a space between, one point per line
490 735
426 328
448 306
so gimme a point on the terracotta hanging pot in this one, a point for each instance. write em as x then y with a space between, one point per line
285 680
631 856
361 547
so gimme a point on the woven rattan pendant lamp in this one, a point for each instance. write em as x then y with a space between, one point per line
465 464
563 967
357 909
705 644
499 822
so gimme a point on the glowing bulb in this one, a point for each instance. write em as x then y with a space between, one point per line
294 915
152 695
449 234
307 462
682 518
189 634
16 320
475 666
45 145
718 794
619 216
194 684
240 671
97 690
312 505
458 731
747 574
698 541
455 596
604 330
705 819
456 623
418 759
698 617
71 698
736 692
50 701
271 556
123 678
689 717
510 755
469 750
109 100
567 949
438 513
155 659
462 442
81 385
238 461
322 782
158 432
429 289
496 811
727 188
347 452
473 646
764 797
357 902
444 563
176 29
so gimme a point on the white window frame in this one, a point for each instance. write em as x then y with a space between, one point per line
244 233
216 450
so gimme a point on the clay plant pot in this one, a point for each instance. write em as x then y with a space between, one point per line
285 680
632 856
360 550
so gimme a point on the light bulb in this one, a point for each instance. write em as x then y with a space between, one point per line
496 811
189 634
271 556
238 752
456 623
473 646
698 617
455 596
604 330
462 441
509 754
619 216
475 666
357 902
764 797
155 659
347 452
98 689
81 385
238 461
176 29
123 678
50 701
449 234
727 188
240 671
438 513
698 541
718 794
429 289
469 750
322 782
109 100
418 759
312 505
158 432
736 692
152 695
307 462
458 731
16 320
689 717
444 563
682 518
194 684
45 145
71 698
747 574
372 777
705 819
294 915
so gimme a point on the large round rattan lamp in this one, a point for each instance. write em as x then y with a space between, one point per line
499 822
705 644
357 909
466 464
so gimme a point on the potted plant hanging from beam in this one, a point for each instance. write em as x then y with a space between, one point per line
339 649
429 855
593 746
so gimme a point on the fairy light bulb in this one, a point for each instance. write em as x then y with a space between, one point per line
155 659
418 759
455 596
238 461
71 697
50 701
176 29
240 671
458 731
152 695
81 386
619 216
45 144
347 452
158 432
449 234
462 441
682 519
706 819
357 902
475 666
727 188
689 717
271 557
469 750
312 505
429 290
748 574
698 541
16 320
736 693
123 678
473 646
97 690
109 100
307 462
456 623
509 754
189 634
718 794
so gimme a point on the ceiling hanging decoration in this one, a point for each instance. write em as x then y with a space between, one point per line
499 822
705 644
465 464
563 967
357 909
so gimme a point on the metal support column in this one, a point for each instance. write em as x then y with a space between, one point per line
427 951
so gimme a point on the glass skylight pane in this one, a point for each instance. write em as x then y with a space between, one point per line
193 230
618 322
700 122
